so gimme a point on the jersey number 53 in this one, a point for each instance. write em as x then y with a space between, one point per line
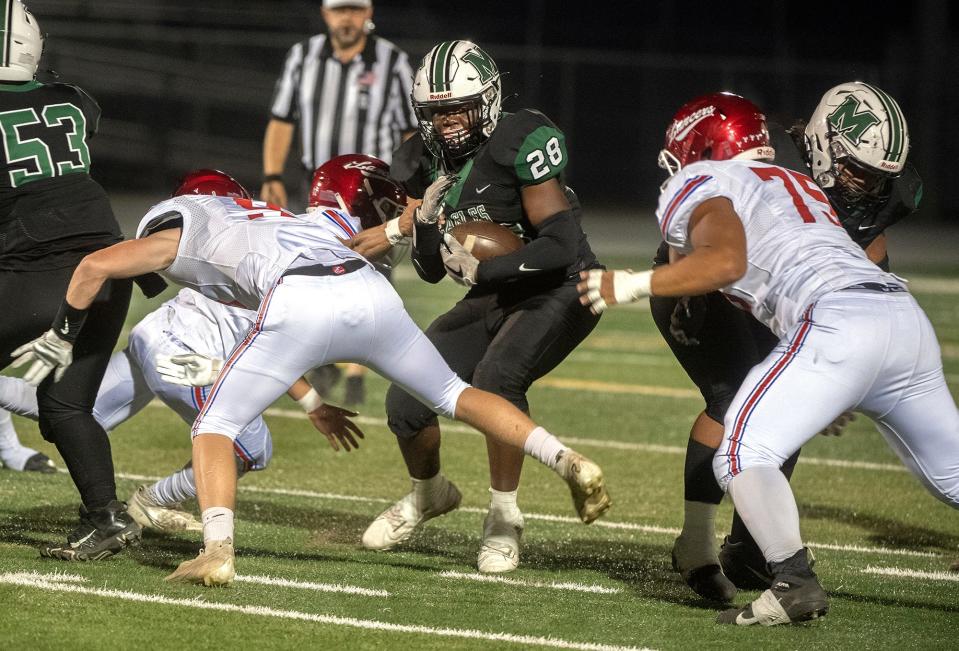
31 159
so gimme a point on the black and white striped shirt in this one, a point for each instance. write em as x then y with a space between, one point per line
360 107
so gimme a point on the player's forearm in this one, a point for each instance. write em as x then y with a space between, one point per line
276 146
122 260
703 271
556 247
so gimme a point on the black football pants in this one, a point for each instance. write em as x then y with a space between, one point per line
30 300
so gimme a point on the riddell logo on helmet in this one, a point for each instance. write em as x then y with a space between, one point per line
435 96
886 165
681 129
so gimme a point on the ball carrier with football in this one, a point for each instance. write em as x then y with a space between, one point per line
521 316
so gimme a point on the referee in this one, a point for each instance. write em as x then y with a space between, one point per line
348 90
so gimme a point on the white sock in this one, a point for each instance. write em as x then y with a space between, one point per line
766 504
217 524
174 488
544 447
12 453
425 489
697 542
503 500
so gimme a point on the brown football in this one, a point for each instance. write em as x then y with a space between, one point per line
485 239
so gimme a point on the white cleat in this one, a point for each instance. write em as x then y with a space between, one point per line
586 483
165 519
501 534
396 524
214 566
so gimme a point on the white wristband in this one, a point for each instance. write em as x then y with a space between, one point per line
393 233
311 401
629 286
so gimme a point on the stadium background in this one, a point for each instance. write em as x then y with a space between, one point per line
185 83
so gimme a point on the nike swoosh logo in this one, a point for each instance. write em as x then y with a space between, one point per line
866 228
65 329
523 267
83 540
483 189
743 621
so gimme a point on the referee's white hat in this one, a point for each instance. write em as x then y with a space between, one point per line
333 4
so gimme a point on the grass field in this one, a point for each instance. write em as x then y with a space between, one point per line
882 543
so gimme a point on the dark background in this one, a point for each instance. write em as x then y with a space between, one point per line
187 83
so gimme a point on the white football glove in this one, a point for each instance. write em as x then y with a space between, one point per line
188 369
460 264
429 211
48 352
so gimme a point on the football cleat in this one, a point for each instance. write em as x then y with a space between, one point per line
164 519
955 566
586 484
501 534
396 524
214 566
707 580
41 463
744 565
101 533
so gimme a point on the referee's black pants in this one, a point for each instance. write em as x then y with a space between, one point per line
30 300
501 343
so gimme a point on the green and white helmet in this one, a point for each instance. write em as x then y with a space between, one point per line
22 42
856 141
457 74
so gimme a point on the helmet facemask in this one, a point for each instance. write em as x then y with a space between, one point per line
854 188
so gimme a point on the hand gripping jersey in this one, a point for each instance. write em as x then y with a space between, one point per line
797 250
525 148
235 250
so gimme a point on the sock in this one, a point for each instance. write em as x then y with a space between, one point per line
174 488
696 545
12 453
85 449
767 506
425 489
217 524
503 500
543 446
739 533
699 480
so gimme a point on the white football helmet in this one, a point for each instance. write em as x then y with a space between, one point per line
22 43
457 74
856 141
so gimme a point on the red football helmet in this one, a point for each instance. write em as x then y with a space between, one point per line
360 185
719 126
215 182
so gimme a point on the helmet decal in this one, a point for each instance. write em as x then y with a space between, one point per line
848 121
22 42
897 124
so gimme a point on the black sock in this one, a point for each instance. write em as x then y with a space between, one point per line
699 481
85 449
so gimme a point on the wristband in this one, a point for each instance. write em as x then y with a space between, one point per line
311 401
629 286
271 178
68 322
393 233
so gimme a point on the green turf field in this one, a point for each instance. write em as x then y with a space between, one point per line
881 541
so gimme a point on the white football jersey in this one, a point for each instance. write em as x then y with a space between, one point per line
205 326
234 250
795 247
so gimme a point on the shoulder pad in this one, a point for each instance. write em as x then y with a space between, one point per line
411 165
86 103
529 143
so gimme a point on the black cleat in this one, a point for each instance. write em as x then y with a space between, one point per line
708 581
355 391
795 596
324 378
39 463
744 565
101 533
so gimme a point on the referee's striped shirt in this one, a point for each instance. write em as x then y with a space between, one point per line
360 107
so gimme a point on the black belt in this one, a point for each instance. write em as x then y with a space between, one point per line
341 269
876 287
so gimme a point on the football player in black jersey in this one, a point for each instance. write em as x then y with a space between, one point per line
51 215
521 316
855 147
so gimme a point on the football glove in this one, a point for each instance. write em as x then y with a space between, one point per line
460 264
188 369
48 352
599 289
429 211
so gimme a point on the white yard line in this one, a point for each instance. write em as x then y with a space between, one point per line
550 585
309 585
54 583
911 574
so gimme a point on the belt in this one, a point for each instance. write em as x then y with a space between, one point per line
341 269
876 287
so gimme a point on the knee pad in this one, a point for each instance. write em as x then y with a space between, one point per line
405 415
508 383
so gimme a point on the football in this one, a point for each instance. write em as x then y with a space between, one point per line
485 239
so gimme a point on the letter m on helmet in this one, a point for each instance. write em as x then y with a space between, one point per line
483 64
848 121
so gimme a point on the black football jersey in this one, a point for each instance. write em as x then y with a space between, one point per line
525 148
51 211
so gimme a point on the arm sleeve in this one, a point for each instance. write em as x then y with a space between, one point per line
283 105
426 252
555 247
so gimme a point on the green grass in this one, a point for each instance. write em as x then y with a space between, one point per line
315 537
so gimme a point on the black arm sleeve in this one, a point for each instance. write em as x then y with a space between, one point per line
426 252
555 247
